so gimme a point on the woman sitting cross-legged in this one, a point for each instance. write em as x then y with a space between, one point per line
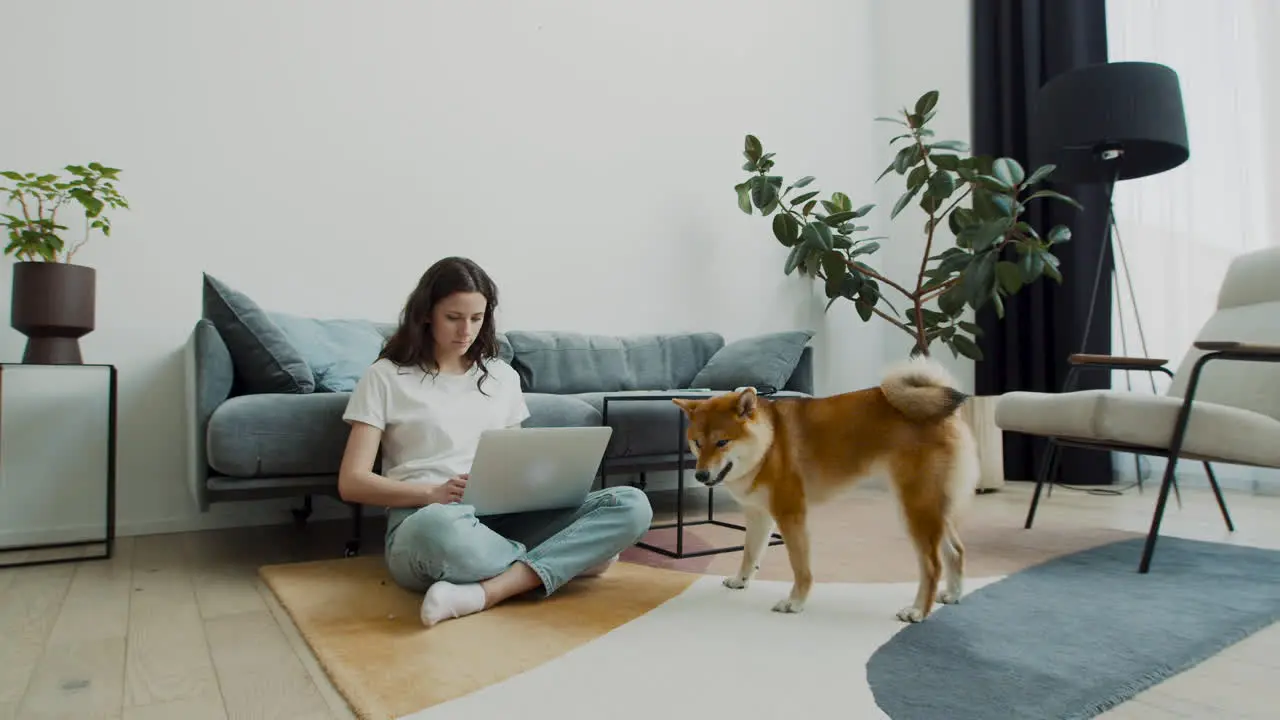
436 385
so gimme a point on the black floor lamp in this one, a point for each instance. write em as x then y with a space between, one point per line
1105 123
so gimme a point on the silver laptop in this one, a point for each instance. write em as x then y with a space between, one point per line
529 469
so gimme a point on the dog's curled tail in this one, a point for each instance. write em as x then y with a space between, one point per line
922 390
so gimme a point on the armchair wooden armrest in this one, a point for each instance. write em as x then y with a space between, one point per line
1239 348
1116 361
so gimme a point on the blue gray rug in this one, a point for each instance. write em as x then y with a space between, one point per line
1077 635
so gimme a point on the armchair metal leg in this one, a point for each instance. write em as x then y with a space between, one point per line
1149 548
1048 463
1217 492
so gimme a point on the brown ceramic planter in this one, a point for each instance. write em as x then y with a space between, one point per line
53 305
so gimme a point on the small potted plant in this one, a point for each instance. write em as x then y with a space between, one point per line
53 299
980 200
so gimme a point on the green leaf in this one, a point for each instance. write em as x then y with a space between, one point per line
863 210
808 207
839 218
744 196
1051 268
802 198
833 265
1059 234
927 102
981 237
1054 196
1039 174
946 162
841 201
941 184
864 309
1009 275
1032 266
906 157
786 229
899 121
763 192
993 183
966 347
951 301
1008 170
955 145
902 201
970 328
793 259
865 249
817 235
979 280
803 182
752 148
917 177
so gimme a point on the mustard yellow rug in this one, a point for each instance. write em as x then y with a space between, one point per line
365 632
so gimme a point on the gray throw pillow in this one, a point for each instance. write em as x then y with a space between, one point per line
266 361
763 361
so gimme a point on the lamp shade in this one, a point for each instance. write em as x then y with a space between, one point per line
1131 107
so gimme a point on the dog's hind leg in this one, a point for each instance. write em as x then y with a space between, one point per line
926 528
924 506
759 525
795 534
952 566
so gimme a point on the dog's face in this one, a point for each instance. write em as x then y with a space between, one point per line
725 435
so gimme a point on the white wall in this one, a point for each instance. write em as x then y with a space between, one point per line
584 153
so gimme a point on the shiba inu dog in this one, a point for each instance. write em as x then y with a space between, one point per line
779 457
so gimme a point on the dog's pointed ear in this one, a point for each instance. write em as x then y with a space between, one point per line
747 401
686 404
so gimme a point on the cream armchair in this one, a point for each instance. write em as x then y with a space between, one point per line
1222 406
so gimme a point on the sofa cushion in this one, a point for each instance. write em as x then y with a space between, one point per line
761 361
252 436
566 362
548 410
265 360
337 351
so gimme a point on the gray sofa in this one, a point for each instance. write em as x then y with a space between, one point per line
267 391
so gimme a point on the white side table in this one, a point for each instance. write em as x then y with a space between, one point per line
57 459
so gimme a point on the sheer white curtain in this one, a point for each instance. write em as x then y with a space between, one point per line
1180 229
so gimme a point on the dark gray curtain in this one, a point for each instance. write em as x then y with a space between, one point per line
1018 45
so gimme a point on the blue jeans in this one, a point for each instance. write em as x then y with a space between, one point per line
448 542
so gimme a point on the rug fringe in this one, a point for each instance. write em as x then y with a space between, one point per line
1131 689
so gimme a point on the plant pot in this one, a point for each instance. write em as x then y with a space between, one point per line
53 305
980 413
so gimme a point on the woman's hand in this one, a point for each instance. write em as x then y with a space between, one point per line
448 492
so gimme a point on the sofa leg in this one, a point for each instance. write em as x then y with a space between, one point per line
353 545
300 515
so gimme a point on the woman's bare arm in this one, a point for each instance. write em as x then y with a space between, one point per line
357 482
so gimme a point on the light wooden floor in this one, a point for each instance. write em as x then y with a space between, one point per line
179 626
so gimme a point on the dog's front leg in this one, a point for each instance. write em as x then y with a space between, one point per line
795 534
759 526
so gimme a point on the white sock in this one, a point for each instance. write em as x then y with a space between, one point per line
444 601
599 569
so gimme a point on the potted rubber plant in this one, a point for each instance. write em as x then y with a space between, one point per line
979 199
54 299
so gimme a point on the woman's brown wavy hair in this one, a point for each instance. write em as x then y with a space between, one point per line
412 345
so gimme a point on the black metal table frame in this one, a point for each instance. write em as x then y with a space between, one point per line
108 541
682 460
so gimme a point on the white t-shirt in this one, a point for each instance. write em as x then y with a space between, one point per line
431 424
